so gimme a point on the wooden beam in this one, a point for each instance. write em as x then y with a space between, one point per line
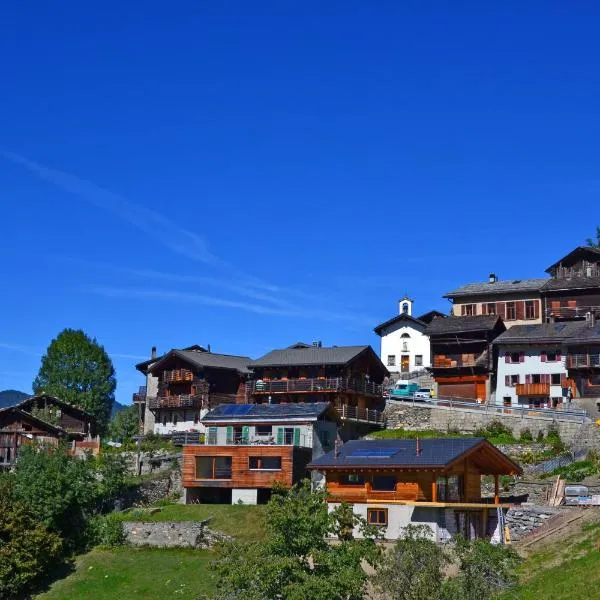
434 490
496 489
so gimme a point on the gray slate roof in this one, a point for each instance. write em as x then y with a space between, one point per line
461 324
571 283
310 411
572 333
397 319
313 355
435 452
210 360
507 286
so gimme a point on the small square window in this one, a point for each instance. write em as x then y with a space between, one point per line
264 463
514 379
551 356
555 378
418 360
391 360
264 430
377 516
491 308
515 357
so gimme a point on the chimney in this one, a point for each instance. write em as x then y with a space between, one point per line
208 347
337 447
418 447
493 278
153 352
318 344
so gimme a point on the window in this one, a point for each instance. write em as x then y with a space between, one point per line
384 483
507 401
530 312
511 311
555 378
418 360
264 430
264 463
515 379
377 516
535 378
352 479
515 357
491 308
175 415
164 418
468 310
391 360
213 467
551 356
405 308
212 436
449 489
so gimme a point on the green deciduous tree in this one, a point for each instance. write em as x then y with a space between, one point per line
595 243
124 426
77 370
296 562
27 548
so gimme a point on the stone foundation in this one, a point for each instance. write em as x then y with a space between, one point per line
180 534
522 520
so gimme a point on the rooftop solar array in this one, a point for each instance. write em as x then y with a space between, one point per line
237 409
373 453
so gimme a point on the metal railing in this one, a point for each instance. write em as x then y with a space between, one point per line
326 384
524 412
140 395
180 401
578 361
588 271
360 415
304 441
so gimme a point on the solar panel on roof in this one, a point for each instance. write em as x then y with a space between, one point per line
237 409
367 453
560 327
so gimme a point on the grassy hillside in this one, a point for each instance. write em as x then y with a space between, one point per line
564 568
136 573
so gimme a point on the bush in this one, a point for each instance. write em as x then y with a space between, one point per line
107 530
497 433
28 549
540 436
526 436
553 438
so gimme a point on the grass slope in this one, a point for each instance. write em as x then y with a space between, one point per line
566 569
136 573
242 522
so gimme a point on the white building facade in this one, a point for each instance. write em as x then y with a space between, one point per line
404 346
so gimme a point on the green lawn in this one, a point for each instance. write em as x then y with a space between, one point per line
136 573
242 522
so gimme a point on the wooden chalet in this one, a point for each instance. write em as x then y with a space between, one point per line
249 447
183 385
463 362
393 483
350 377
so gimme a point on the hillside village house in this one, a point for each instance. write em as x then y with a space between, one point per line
249 447
434 482
572 290
182 385
404 345
539 364
25 424
463 364
350 377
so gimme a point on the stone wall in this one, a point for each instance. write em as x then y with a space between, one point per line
186 534
426 416
165 485
523 520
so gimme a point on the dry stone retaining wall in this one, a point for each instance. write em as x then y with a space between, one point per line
178 534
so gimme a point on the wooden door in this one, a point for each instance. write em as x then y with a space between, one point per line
405 363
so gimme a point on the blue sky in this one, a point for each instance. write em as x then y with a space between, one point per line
249 174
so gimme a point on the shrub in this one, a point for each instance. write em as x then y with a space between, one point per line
526 436
107 530
540 436
553 438
497 433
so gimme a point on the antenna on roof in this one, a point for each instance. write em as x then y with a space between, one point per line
418 447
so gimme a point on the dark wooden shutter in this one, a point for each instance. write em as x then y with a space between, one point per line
507 380
536 309
507 357
520 309
501 309
527 378
558 356
522 357
463 310
544 356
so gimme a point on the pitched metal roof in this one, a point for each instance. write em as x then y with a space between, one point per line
434 452
571 332
208 359
230 413
460 324
313 355
504 287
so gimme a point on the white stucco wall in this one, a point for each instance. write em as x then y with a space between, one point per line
392 343
182 424
244 496
531 365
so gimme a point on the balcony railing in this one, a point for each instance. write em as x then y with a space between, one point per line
454 361
316 385
177 375
574 311
191 400
533 389
140 395
360 415
588 271
582 361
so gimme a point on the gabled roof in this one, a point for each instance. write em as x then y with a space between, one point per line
402 454
143 366
296 412
571 283
508 286
572 333
397 319
27 404
312 355
575 255
206 359
431 315
16 412
463 324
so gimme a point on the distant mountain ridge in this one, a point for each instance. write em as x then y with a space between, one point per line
12 397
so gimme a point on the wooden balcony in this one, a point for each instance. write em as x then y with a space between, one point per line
177 375
360 415
190 400
315 385
456 361
140 395
583 361
533 389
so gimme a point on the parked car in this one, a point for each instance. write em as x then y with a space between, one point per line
403 389
423 394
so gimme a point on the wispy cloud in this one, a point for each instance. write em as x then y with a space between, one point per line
19 348
127 356
206 300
